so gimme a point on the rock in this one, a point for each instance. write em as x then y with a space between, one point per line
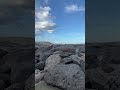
44 55
30 82
79 60
96 76
65 54
65 48
58 52
16 86
3 53
40 65
38 75
67 60
44 48
52 61
6 78
21 71
43 86
75 59
67 77
2 85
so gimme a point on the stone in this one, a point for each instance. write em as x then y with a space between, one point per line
52 61
43 86
30 82
66 77
40 65
38 75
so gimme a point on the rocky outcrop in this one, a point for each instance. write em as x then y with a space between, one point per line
102 66
64 67
45 67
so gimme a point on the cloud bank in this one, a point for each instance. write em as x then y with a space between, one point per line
74 8
44 20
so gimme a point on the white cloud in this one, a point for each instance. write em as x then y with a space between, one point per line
51 31
74 8
43 20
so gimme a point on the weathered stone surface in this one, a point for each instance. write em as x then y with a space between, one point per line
52 61
38 75
43 86
40 65
67 77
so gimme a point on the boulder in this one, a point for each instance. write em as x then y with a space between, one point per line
66 77
43 86
52 61
40 65
38 75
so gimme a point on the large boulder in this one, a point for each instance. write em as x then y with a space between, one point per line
43 86
67 77
74 59
52 61
79 60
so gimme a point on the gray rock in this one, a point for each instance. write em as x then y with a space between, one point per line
67 77
40 65
44 55
43 86
79 60
38 75
52 61
65 54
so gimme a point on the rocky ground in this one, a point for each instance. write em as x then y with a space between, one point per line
44 66
102 66
17 63
59 67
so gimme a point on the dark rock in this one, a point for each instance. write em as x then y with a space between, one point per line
40 65
16 86
2 85
21 71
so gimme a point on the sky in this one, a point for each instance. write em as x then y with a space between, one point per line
60 21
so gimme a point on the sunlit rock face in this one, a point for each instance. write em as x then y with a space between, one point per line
63 66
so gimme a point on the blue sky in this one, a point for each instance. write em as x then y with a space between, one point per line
60 21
